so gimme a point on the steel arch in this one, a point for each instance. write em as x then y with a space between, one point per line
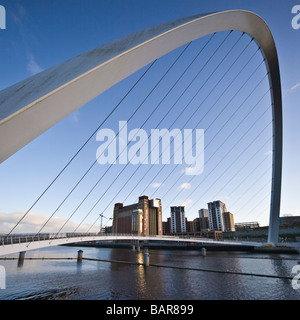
32 106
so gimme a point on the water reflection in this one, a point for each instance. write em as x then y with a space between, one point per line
140 277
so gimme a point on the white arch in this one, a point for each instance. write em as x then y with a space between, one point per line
32 106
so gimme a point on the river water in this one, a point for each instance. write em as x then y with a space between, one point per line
60 277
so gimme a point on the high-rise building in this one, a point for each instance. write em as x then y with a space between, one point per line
216 219
203 219
178 223
219 218
142 218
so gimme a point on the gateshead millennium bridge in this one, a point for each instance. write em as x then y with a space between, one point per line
32 106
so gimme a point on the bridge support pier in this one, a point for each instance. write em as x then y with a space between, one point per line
79 256
138 248
21 258
146 257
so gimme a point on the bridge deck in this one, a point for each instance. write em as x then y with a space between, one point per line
18 243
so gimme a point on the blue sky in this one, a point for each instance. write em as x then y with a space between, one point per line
40 34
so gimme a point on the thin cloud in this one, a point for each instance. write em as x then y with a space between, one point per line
156 185
297 85
33 222
32 66
185 185
75 117
20 18
269 153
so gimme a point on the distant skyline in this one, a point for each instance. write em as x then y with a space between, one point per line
41 34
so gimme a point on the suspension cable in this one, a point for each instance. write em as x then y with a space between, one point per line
169 110
185 48
81 148
175 104
202 85
250 173
221 96
229 151
227 137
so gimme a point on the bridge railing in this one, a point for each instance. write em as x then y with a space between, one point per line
25 238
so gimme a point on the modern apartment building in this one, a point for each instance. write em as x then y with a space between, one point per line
178 222
219 218
216 210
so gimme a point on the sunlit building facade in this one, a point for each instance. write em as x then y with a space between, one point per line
142 218
219 218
